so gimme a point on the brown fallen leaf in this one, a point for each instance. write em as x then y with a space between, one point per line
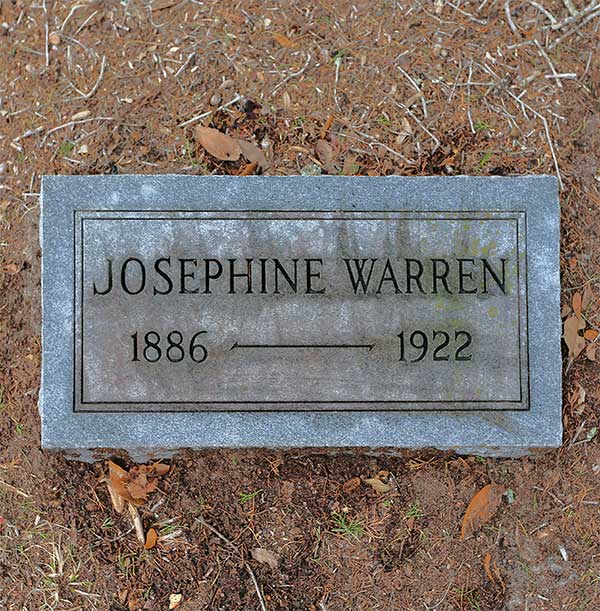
590 352
248 169
160 468
264 555
326 127
253 153
407 131
134 485
576 304
117 480
591 334
378 485
284 41
137 491
162 5
487 561
151 539
565 310
325 153
587 298
350 167
575 343
11 268
218 144
351 485
481 509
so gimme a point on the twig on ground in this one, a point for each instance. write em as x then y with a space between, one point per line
70 124
12 488
511 23
95 87
576 28
548 61
543 119
137 522
548 136
418 89
571 8
338 63
86 21
565 75
261 600
292 75
471 17
546 12
375 142
590 8
248 568
577 433
185 64
420 124
46 32
197 118
73 9
469 97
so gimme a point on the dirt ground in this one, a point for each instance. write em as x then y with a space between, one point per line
355 88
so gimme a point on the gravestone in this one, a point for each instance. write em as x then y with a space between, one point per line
218 311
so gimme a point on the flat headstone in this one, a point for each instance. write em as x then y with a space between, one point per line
216 311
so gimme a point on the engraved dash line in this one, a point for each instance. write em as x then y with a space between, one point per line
303 346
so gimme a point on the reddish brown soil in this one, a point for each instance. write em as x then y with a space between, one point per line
335 71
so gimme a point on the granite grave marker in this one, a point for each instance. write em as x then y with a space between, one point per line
217 311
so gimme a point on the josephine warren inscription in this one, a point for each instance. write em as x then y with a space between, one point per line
269 310
406 302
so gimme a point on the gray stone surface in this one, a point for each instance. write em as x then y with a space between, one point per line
314 362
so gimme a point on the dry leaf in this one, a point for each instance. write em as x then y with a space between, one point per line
151 539
407 131
351 485
350 167
160 468
581 394
161 6
574 341
591 334
117 480
248 169
135 485
576 304
565 311
174 601
590 352
264 555
325 153
80 115
117 501
587 298
284 41
481 509
11 268
486 565
378 485
326 127
219 145
253 153
136 491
